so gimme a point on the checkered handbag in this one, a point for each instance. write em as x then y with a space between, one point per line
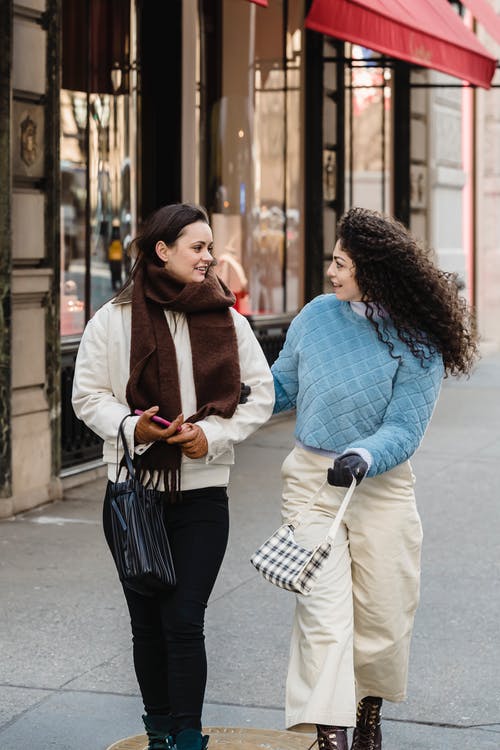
287 564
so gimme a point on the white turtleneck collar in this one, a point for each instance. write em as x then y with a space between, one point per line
360 309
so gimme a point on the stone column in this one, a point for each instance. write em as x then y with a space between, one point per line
31 275
5 252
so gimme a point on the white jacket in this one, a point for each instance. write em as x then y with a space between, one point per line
102 372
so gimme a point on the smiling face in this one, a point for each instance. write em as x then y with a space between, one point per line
190 257
342 274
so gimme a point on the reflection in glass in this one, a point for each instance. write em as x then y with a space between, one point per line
368 130
268 225
255 185
98 158
328 175
294 175
110 199
73 207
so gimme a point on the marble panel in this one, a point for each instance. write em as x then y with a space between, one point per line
30 284
28 346
448 96
418 141
29 59
418 225
31 452
35 4
490 143
447 177
447 218
28 225
448 137
28 400
419 95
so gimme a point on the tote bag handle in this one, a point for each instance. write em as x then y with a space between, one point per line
126 455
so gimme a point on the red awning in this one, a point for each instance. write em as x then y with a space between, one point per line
423 32
485 15
260 2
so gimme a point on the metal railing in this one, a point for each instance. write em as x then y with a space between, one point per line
79 445
271 332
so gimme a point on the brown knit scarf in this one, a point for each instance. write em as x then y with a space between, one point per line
153 365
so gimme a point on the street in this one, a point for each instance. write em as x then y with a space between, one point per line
66 675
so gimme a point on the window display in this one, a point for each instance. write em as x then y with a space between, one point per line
253 143
98 154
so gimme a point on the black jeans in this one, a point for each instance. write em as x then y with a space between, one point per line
167 630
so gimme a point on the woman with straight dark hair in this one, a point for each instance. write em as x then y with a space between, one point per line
363 368
170 344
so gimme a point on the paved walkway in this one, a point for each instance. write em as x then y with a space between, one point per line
66 675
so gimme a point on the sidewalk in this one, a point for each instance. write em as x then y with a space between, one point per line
66 676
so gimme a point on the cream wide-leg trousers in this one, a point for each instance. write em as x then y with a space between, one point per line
351 634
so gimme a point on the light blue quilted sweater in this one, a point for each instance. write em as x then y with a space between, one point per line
350 394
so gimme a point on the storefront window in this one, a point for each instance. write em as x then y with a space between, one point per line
253 151
368 129
98 154
73 210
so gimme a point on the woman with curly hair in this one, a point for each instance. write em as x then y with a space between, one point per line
363 368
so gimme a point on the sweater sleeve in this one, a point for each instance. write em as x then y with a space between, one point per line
222 433
285 372
414 396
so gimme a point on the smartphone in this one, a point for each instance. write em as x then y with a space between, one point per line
159 420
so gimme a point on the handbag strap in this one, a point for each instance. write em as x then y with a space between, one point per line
332 532
340 513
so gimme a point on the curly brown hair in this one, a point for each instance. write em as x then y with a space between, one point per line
395 272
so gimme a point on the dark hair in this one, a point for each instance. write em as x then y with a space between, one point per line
166 223
395 272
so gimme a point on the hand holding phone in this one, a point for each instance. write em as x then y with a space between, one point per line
155 418
150 427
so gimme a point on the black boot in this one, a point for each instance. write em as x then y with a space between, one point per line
158 730
367 734
331 738
191 739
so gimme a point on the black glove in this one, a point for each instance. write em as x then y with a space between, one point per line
244 393
345 468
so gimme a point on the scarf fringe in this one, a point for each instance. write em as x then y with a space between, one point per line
167 482
169 478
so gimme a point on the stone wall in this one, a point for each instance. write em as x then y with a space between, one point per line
30 278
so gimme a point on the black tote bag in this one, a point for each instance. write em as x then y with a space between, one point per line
141 549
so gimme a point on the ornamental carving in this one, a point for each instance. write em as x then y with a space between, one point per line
28 141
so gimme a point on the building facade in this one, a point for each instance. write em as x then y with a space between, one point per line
111 108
